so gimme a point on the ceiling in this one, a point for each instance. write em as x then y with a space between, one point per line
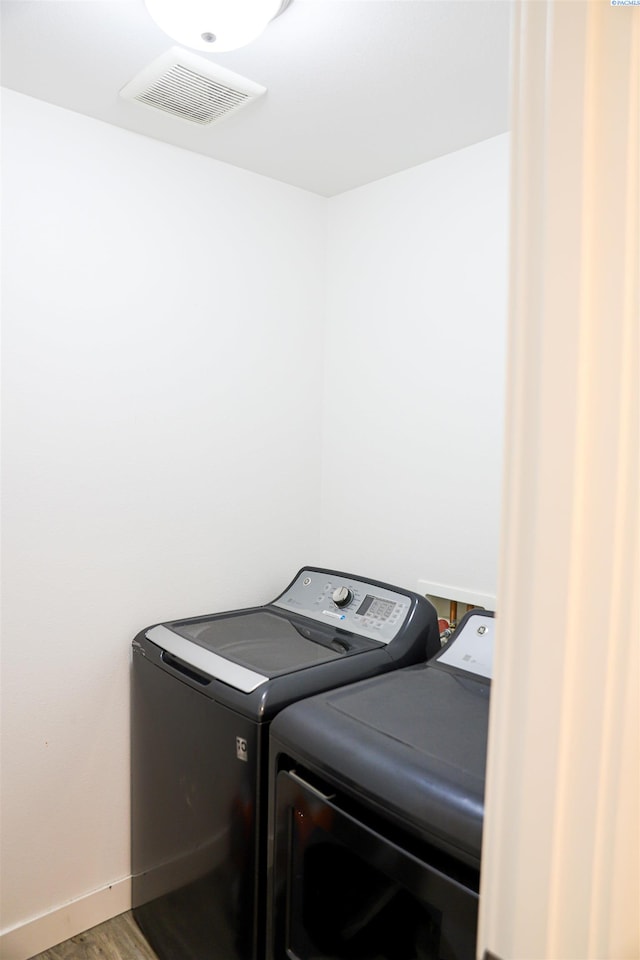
357 89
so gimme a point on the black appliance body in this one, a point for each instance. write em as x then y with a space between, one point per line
204 691
377 805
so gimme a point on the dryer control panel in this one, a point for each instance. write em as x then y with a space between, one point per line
471 647
366 609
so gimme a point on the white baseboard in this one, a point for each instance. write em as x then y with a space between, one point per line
34 936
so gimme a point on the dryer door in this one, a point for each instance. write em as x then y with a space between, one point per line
345 891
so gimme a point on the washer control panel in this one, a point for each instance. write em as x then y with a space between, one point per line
355 605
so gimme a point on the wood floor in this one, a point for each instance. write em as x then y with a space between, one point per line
117 939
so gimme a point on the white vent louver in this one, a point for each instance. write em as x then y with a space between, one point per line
190 87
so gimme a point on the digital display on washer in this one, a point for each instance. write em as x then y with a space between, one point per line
375 607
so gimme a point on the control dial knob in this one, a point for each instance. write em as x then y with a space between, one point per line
342 596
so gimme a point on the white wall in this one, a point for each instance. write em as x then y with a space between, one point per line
161 450
164 348
417 298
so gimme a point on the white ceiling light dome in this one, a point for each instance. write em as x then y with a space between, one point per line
214 25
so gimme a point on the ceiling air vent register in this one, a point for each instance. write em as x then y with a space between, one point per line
191 88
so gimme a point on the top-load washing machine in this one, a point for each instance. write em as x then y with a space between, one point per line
204 691
377 807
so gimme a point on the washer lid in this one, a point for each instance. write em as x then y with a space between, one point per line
267 643
205 661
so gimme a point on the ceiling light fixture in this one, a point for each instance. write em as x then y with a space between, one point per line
214 25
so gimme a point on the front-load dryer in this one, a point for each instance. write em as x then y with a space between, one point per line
377 807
